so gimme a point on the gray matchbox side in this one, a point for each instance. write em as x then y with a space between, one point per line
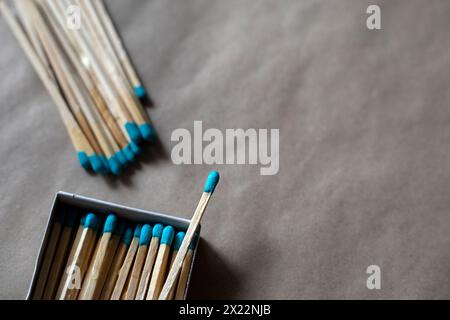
86 204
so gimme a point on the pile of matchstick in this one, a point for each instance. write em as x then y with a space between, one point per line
91 259
88 74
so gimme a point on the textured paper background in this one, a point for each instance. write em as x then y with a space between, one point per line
364 119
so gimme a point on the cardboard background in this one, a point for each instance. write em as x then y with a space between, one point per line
364 123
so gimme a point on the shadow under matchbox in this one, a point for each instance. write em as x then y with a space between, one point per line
73 207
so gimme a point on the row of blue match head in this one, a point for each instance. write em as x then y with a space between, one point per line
119 227
117 162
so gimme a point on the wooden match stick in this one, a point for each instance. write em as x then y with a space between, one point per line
160 267
77 268
149 262
91 287
117 43
144 241
79 141
106 82
119 142
117 262
115 72
59 257
74 245
61 72
48 255
126 266
110 254
184 275
22 8
211 183
176 246
86 115
101 37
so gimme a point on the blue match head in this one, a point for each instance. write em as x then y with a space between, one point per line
91 221
110 223
146 235
133 131
115 166
139 91
120 156
137 231
147 132
167 235
157 230
193 243
178 240
128 236
135 148
211 182
96 163
129 153
84 160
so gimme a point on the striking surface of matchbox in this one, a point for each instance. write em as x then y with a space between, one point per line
67 202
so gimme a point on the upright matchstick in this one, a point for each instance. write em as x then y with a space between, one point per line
127 263
74 245
176 246
144 241
184 275
77 269
116 264
208 190
91 288
160 268
149 262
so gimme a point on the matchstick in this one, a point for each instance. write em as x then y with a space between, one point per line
176 246
77 269
59 258
48 255
114 102
160 267
79 141
110 254
117 262
144 241
23 10
211 183
99 35
119 142
126 266
116 41
149 262
115 73
91 287
185 270
73 245
85 114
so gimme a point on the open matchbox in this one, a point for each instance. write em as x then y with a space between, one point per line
82 205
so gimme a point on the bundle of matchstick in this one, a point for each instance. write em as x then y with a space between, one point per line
87 72
91 259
